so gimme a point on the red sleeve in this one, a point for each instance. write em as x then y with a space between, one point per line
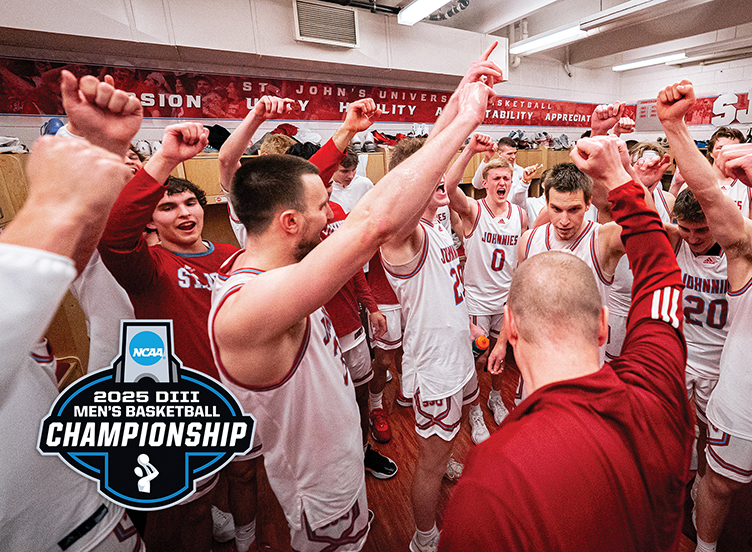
124 251
654 352
363 292
327 160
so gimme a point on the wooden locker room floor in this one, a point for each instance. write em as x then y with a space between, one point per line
393 525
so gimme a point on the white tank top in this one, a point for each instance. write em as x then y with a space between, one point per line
705 309
730 407
583 246
620 295
308 422
438 357
491 250
740 194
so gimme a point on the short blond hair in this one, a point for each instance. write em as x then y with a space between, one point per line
496 164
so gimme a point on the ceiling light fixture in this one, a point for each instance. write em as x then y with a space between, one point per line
648 62
635 11
538 43
711 59
417 10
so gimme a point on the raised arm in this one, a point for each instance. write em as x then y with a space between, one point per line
359 117
735 161
605 117
268 107
650 170
123 248
385 210
180 143
62 217
65 214
654 353
518 193
724 218
97 111
466 207
625 126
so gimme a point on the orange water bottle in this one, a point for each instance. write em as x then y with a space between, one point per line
480 346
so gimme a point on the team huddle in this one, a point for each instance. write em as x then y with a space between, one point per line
590 273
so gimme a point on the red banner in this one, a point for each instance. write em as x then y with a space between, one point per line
32 87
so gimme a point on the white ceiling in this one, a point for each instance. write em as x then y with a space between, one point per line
712 27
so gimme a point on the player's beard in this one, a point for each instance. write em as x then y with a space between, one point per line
304 247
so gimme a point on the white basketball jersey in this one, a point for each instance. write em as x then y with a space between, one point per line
491 250
705 309
740 194
660 205
308 422
438 357
443 215
583 246
730 407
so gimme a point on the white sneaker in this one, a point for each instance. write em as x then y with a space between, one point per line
496 405
223 529
432 546
479 431
453 469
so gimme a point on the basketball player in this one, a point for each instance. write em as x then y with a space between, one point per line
437 367
703 266
649 162
275 346
595 458
491 228
568 197
172 280
45 504
729 411
343 307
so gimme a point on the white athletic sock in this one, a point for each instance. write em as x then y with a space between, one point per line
475 409
494 393
703 546
245 535
425 537
374 401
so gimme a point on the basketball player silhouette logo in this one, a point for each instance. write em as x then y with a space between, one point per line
146 474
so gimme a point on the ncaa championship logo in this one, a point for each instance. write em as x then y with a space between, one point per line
146 428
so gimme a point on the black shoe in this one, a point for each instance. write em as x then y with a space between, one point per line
379 465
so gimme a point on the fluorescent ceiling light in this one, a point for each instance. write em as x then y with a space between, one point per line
417 10
636 11
539 43
710 59
649 62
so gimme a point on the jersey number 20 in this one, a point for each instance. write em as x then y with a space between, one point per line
717 312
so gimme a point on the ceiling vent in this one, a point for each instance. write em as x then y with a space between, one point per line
325 24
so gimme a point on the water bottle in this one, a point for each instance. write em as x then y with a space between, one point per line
480 346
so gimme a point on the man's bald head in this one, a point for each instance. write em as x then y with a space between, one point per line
554 296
